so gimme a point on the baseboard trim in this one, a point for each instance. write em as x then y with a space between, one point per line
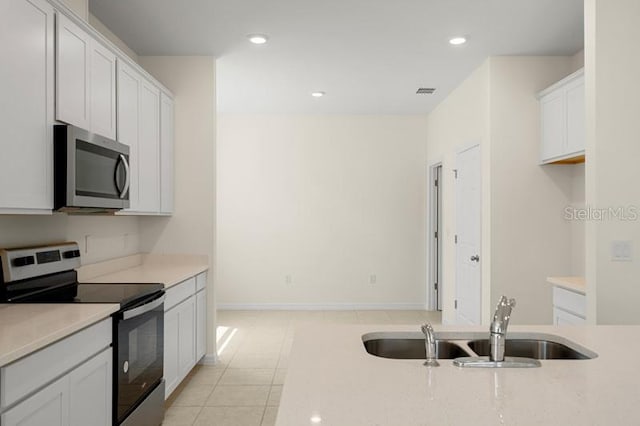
209 360
322 307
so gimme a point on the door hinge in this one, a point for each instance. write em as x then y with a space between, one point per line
435 234
455 304
436 183
455 173
455 239
435 285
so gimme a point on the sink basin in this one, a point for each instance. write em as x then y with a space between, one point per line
411 349
529 348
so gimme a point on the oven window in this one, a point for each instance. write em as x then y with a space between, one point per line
143 342
99 172
140 352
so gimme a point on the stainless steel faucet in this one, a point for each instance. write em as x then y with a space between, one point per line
499 328
430 345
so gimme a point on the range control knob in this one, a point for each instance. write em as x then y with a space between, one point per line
71 254
23 261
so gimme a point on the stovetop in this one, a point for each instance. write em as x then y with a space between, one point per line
124 294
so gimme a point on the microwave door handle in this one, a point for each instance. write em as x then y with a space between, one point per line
135 312
127 179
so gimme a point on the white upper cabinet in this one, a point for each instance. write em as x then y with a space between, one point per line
103 91
73 52
149 149
129 89
139 127
563 120
86 80
56 68
166 153
27 105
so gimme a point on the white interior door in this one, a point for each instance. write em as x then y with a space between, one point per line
468 199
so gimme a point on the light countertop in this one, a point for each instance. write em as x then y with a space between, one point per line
165 269
26 328
331 377
576 284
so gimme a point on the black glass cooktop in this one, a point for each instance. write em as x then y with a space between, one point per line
124 294
64 288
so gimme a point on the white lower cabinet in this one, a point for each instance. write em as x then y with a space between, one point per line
201 324
561 317
90 391
65 383
50 407
569 307
184 330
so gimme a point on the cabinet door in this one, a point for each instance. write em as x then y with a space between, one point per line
26 101
90 391
149 149
561 317
103 91
171 351
186 336
49 406
73 73
201 324
576 116
129 88
166 154
553 125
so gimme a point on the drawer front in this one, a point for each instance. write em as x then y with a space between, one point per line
201 281
561 317
570 301
179 292
36 370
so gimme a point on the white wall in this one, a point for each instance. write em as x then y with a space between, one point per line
191 229
524 236
613 150
326 200
530 239
461 119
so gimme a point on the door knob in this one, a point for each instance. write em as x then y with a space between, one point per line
475 258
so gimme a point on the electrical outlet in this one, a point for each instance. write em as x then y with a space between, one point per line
373 279
288 279
621 251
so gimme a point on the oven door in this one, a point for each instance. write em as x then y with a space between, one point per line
139 351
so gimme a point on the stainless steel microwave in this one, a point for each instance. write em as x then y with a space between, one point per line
91 172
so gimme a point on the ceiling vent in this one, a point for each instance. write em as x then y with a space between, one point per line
425 91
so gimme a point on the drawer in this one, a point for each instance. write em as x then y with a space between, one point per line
201 281
570 301
32 372
179 292
561 317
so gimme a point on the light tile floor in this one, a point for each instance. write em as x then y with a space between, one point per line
244 388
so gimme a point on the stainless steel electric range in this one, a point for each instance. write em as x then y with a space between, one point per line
47 274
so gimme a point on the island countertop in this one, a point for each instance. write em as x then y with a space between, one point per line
332 380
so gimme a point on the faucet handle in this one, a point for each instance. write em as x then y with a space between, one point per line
426 328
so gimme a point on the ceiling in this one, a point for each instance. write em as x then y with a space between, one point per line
369 56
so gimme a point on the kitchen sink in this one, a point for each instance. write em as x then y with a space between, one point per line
529 348
412 349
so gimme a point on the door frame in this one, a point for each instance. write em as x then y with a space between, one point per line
434 245
460 149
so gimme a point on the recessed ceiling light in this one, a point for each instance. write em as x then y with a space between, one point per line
316 419
456 41
257 38
318 94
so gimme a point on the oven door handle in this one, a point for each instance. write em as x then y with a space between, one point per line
132 313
